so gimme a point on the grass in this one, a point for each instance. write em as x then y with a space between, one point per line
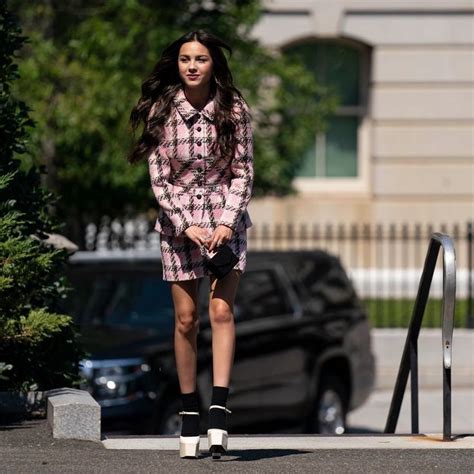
396 313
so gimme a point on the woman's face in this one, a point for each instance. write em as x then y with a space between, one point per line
195 64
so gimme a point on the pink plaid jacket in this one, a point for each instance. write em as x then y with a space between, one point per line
193 187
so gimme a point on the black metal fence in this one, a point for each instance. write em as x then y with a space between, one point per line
384 260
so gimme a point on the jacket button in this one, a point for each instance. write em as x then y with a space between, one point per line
199 129
199 143
199 155
199 196
200 169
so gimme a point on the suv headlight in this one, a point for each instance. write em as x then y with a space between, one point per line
111 379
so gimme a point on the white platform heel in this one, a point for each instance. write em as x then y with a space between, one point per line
189 445
217 438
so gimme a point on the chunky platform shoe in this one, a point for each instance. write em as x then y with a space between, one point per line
217 438
189 445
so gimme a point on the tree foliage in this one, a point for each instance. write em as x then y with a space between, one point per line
82 74
38 347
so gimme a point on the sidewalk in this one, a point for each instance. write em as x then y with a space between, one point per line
29 447
372 416
388 344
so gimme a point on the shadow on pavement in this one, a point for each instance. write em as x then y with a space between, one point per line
233 455
361 430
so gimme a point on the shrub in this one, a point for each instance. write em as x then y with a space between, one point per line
39 349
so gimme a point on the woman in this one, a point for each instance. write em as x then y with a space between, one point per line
198 142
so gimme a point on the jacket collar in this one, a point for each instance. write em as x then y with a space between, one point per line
187 111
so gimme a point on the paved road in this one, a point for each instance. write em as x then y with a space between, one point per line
28 447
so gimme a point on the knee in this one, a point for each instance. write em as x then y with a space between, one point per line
220 313
187 321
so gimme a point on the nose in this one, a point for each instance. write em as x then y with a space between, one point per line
192 67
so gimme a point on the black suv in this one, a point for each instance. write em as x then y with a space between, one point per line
302 360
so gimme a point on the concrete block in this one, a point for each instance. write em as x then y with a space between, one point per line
73 414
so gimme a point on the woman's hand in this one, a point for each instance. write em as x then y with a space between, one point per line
197 234
221 235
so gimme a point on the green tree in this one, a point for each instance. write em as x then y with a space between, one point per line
82 73
39 348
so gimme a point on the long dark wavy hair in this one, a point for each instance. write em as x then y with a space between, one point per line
163 83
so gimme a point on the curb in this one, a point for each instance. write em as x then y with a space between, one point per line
310 442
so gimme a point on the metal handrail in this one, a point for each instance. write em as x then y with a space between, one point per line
409 362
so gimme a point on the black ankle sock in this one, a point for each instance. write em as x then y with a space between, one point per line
190 426
217 416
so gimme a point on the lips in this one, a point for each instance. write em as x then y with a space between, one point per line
193 76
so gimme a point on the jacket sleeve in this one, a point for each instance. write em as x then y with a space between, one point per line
159 168
240 189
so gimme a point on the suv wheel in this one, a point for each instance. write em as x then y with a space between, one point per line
170 420
329 415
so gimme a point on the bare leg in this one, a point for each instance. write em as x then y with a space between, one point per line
221 308
184 295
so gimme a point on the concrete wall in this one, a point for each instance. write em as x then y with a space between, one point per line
416 142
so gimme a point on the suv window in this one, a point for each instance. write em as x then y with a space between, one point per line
116 300
261 295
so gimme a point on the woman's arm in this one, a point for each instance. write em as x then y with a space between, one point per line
240 189
159 168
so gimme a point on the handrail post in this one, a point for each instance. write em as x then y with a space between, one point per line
414 386
449 306
446 404
409 362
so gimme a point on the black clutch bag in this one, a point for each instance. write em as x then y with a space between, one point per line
222 262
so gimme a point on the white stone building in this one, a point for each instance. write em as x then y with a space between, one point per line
401 147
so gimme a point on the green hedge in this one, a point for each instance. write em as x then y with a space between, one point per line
389 313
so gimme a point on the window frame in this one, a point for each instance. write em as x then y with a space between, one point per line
359 184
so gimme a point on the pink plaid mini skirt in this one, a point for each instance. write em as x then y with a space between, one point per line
182 259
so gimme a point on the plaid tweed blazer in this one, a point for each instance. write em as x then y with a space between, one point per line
193 186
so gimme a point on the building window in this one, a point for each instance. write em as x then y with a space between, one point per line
333 153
